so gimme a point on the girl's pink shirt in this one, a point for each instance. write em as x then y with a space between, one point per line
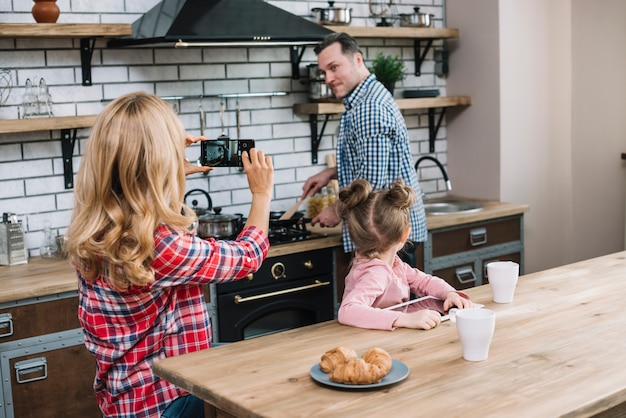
372 285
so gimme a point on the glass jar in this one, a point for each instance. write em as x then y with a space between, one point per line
317 203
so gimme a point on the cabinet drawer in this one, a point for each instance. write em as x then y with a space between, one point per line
476 236
38 318
461 276
49 382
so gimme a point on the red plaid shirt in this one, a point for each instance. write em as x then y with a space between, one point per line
127 331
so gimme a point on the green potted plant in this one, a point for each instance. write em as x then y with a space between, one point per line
388 69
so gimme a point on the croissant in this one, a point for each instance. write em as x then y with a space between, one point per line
378 357
343 366
338 355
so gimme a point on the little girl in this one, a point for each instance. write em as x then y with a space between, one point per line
378 223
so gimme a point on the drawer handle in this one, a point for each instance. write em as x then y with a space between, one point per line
6 324
478 236
465 275
38 367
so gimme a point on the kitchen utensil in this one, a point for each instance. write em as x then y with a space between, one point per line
332 15
12 248
417 19
238 120
292 210
201 119
199 211
218 225
380 9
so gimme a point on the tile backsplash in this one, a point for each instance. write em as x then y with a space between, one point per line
31 166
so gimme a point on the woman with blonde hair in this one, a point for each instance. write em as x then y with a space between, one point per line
140 266
378 224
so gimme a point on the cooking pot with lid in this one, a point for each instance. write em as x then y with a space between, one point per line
194 203
417 19
218 225
332 15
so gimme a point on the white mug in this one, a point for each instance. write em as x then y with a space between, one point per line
503 277
475 328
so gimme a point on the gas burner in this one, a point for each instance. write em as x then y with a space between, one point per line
289 230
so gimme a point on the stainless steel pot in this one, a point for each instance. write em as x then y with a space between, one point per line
332 15
218 225
194 203
417 19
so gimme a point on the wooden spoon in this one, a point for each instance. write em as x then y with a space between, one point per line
289 213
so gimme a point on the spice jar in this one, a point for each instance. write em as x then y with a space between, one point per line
317 203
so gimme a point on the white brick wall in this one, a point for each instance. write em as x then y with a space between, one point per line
31 169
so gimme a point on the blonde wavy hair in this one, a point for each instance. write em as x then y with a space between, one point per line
376 219
131 179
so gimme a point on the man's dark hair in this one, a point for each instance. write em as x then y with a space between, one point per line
348 44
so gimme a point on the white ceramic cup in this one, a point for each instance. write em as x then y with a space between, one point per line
475 328
502 276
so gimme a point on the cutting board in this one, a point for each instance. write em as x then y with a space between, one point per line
331 161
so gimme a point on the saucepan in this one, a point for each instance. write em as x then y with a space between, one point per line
332 15
219 225
417 19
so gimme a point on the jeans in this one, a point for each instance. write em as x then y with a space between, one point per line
185 407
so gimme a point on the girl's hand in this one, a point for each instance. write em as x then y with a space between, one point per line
455 300
189 167
422 319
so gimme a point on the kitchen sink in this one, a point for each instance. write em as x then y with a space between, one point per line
451 206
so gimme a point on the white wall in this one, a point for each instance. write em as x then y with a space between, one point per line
554 130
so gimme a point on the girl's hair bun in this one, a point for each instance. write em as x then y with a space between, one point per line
400 195
352 196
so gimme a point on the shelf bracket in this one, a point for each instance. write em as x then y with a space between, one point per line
419 57
434 128
315 138
68 139
296 57
86 53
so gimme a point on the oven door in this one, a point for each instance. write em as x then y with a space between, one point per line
264 310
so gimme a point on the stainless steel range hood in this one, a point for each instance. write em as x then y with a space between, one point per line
220 22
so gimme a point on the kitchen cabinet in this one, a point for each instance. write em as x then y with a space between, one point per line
45 368
459 254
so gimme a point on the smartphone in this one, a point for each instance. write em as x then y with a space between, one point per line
223 151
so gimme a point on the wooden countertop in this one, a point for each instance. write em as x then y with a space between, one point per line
558 350
41 277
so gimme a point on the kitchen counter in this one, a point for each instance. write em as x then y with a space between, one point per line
42 277
558 350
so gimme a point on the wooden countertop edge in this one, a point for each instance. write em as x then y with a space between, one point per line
44 277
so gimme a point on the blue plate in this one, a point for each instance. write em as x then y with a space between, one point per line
399 371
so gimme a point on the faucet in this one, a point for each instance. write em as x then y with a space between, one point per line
443 170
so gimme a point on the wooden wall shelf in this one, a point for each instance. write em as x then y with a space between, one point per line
407 106
68 125
46 124
396 32
422 37
63 30
88 33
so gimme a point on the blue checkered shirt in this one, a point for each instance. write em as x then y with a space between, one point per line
373 144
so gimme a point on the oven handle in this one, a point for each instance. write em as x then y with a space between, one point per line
238 299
